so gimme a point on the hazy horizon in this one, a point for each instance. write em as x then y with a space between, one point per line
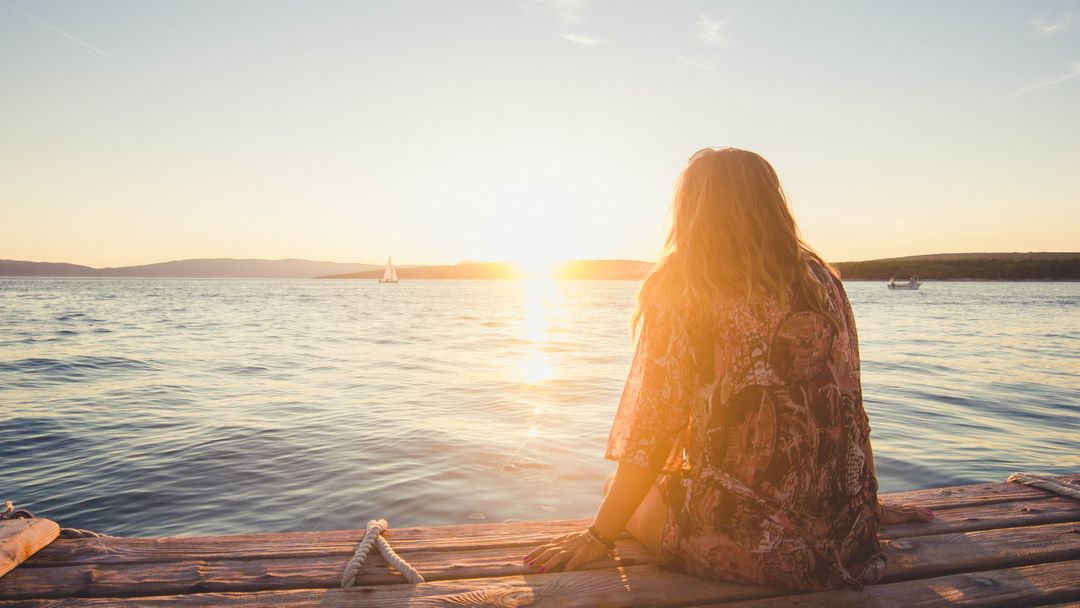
529 131
376 263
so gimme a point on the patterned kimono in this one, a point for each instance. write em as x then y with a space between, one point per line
756 418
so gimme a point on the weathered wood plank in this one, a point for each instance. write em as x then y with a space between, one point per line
460 538
959 496
297 544
1022 586
21 538
631 586
163 578
341 541
908 558
642 586
301 560
987 517
937 555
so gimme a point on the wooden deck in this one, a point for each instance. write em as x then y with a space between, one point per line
1001 544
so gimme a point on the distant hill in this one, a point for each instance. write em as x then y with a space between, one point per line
1014 255
464 270
943 266
18 268
577 269
1014 266
197 268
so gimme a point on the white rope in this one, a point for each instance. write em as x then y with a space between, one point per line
373 536
1048 483
398 562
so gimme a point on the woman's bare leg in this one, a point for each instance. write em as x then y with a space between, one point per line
646 525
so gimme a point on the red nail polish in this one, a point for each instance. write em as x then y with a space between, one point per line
531 563
541 568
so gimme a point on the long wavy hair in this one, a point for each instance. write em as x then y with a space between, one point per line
732 235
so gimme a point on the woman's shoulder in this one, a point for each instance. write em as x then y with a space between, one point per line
829 278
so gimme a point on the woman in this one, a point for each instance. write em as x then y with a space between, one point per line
743 447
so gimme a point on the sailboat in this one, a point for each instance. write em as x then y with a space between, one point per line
390 274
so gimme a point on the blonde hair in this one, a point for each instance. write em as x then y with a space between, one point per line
732 235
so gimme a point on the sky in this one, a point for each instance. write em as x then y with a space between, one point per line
526 130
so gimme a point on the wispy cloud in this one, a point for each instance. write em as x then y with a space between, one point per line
1074 72
568 12
710 30
57 30
585 40
706 65
1049 27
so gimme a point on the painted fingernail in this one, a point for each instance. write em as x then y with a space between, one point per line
532 564
541 568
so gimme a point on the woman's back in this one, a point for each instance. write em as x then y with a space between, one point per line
762 408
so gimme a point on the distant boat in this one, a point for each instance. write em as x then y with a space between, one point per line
911 284
390 274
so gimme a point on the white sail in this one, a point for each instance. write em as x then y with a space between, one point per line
390 273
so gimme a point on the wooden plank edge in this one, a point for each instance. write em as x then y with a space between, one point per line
908 558
521 535
988 517
644 586
1020 586
405 537
22 538
970 495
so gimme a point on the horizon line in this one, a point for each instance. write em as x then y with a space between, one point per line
468 261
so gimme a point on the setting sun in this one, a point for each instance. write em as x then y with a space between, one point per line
535 265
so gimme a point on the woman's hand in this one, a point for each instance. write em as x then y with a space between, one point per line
898 514
570 551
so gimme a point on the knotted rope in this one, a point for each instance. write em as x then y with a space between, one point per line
373 536
10 512
1048 483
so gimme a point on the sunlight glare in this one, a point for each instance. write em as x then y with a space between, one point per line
535 368
540 305
535 265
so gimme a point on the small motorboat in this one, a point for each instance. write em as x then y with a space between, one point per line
912 283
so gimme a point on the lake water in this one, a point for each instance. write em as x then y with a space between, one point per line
154 407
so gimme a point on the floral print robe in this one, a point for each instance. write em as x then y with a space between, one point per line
757 421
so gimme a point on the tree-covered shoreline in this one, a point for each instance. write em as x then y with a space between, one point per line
989 269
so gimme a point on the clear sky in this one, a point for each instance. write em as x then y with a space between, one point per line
135 132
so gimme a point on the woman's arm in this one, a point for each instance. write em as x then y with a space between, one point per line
628 489
654 411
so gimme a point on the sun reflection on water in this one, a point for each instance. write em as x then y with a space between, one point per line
540 308
534 368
